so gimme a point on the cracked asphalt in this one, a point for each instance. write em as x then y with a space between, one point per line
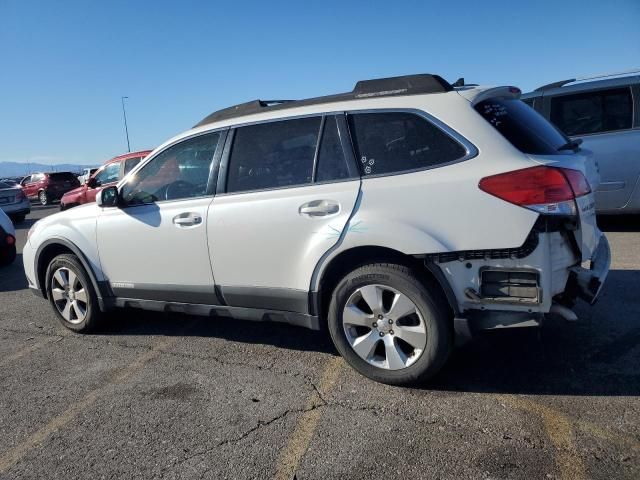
178 397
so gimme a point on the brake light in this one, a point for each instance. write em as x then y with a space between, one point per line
10 240
19 196
548 190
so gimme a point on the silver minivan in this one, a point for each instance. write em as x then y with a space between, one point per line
604 112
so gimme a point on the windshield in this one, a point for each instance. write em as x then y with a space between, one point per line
525 128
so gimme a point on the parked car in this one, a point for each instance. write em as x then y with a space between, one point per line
48 187
403 215
600 112
86 173
13 201
10 181
7 240
109 174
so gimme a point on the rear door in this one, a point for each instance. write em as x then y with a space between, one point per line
287 189
603 119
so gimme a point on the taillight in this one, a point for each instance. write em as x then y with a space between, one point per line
548 190
19 196
10 240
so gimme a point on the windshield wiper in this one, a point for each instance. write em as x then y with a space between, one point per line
571 145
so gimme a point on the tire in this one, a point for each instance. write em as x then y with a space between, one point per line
76 312
7 256
43 197
390 359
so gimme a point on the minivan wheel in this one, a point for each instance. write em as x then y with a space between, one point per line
388 326
43 197
71 294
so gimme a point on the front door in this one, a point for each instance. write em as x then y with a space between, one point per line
154 246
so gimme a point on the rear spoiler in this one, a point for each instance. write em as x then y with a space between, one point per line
476 97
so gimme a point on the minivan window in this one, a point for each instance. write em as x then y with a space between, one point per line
525 128
332 164
179 172
273 155
593 112
393 142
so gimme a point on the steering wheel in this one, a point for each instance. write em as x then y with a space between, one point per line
177 189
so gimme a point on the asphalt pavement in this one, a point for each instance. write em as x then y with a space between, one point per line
179 397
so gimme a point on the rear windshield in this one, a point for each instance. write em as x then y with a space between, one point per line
525 128
62 176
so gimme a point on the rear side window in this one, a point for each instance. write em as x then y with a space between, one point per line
525 128
332 164
273 155
593 112
393 142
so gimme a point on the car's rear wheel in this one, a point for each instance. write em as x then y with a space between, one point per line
71 294
388 325
43 197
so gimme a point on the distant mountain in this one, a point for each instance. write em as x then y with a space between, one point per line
15 169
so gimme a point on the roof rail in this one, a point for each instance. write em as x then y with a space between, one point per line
562 83
381 87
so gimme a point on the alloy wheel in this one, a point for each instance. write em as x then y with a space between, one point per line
69 295
384 327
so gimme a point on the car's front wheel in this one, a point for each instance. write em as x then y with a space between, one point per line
43 197
388 326
71 294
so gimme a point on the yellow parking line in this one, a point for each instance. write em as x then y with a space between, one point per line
13 455
24 351
290 457
559 430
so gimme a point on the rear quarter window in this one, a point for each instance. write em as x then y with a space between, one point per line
396 142
525 128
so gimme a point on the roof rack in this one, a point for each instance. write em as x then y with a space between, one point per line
381 87
562 83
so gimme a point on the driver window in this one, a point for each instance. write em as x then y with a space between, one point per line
181 171
108 174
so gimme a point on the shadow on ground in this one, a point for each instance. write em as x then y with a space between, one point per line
598 355
12 276
619 223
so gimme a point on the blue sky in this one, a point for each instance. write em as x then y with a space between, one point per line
65 65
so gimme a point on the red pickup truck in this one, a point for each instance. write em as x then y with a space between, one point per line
109 174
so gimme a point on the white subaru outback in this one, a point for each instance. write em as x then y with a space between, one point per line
403 215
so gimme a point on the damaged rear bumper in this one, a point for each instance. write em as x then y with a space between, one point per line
588 283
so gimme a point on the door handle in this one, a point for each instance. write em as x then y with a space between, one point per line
187 220
319 208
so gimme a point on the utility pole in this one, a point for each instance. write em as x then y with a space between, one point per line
126 130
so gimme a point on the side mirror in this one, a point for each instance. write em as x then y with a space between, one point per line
91 182
108 197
